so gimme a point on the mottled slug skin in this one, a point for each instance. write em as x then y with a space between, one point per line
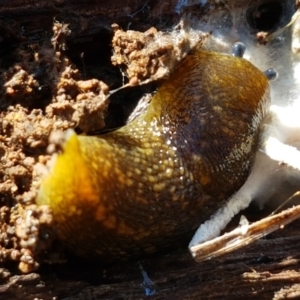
149 185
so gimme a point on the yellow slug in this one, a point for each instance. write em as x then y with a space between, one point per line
149 184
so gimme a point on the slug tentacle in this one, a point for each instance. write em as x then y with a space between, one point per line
150 183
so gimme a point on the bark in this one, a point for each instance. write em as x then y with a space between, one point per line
267 269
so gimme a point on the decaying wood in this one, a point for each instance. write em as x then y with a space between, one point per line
266 269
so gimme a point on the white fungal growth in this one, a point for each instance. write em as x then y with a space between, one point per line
212 227
181 4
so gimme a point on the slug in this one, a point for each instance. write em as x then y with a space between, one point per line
148 185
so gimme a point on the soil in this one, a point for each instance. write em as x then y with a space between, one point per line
60 64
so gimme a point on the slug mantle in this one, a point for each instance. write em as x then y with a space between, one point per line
149 184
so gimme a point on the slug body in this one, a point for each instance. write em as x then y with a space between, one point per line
150 184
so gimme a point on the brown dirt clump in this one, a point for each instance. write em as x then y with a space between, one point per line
151 55
42 91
